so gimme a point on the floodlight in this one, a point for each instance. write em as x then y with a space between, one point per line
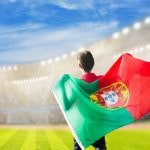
125 31
116 35
57 59
49 61
141 49
137 25
147 20
4 68
64 56
9 68
73 53
43 63
81 49
15 68
148 46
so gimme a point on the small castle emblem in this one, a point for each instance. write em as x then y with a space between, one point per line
112 96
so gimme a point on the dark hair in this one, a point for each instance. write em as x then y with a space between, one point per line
86 60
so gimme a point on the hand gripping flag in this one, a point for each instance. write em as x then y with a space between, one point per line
116 99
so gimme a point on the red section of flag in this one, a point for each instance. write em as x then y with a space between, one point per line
135 74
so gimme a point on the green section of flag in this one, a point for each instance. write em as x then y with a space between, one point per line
87 120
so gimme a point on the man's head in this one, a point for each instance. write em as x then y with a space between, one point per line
86 61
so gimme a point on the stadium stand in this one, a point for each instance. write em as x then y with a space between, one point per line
26 90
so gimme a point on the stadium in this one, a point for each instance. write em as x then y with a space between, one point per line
27 102
26 90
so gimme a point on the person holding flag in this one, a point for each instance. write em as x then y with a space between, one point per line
93 106
86 63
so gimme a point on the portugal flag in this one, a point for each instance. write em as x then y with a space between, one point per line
116 99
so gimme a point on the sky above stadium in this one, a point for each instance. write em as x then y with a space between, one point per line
33 30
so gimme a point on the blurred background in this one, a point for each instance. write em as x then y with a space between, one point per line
39 41
26 89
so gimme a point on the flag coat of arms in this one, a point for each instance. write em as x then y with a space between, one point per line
116 99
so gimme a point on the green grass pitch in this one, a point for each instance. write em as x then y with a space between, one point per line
61 139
